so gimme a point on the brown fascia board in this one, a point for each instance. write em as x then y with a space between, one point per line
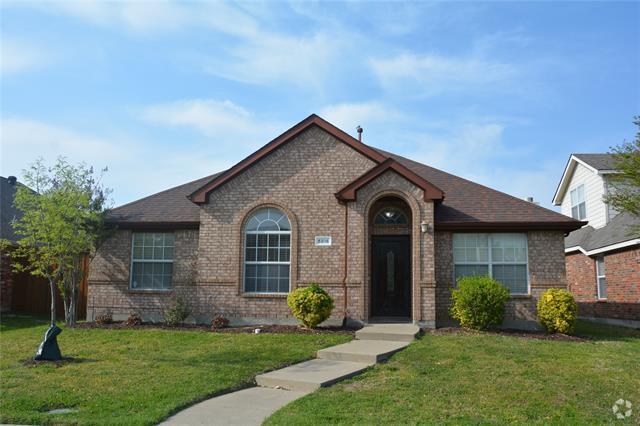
151 226
200 196
431 192
566 226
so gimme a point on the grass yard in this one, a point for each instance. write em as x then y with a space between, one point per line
469 378
133 376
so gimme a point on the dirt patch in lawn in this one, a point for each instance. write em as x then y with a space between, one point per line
282 329
527 334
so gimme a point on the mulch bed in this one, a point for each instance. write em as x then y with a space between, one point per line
526 334
277 329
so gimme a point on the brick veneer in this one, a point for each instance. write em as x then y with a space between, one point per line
623 284
546 270
301 178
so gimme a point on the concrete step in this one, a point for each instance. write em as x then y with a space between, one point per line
391 332
310 375
364 351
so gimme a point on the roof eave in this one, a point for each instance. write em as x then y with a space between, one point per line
566 226
153 225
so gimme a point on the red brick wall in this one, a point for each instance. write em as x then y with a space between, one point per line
623 284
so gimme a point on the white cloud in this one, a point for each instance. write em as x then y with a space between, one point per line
136 168
223 121
349 115
17 56
431 74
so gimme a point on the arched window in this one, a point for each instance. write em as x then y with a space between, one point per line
390 216
267 253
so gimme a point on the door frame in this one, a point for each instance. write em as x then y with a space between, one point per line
407 240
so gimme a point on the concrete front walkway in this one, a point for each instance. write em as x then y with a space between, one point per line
374 343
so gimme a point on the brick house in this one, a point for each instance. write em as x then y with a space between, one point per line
384 235
603 258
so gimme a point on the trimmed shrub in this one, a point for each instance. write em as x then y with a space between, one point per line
219 322
105 318
176 312
557 311
133 320
478 302
310 305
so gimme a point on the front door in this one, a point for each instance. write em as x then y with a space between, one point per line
390 276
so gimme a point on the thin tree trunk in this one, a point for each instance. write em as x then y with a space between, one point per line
52 287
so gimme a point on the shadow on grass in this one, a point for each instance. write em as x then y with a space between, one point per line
30 362
9 322
603 332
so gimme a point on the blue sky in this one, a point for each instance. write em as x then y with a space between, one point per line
166 92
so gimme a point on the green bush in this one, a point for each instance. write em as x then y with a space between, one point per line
557 311
478 302
176 312
310 305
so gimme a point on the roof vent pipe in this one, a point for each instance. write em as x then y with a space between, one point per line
359 130
530 199
12 180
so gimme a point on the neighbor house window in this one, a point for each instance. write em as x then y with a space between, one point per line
602 280
500 256
152 260
267 253
578 203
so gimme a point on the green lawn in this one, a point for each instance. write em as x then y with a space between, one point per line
133 376
487 379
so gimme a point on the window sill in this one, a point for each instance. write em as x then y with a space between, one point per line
265 295
520 296
599 300
150 291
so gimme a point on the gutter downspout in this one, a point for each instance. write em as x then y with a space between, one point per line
344 277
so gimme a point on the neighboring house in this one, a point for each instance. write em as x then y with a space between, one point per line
7 214
384 235
603 258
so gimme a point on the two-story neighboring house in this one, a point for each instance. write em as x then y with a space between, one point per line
603 257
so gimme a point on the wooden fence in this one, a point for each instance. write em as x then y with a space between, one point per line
31 295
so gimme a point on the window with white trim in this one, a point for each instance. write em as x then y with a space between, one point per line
578 203
500 256
151 260
267 252
601 278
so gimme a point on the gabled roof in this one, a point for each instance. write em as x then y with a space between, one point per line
616 234
431 192
200 196
600 162
467 206
597 163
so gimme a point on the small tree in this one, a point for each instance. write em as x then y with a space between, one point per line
625 196
63 214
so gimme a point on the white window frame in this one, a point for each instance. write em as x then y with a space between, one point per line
599 275
133 260
577 205
490 261
245 262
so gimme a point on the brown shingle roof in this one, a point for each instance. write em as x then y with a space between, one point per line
470 205
170 206
467 205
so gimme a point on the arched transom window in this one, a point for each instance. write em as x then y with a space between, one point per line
390 216
267 255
